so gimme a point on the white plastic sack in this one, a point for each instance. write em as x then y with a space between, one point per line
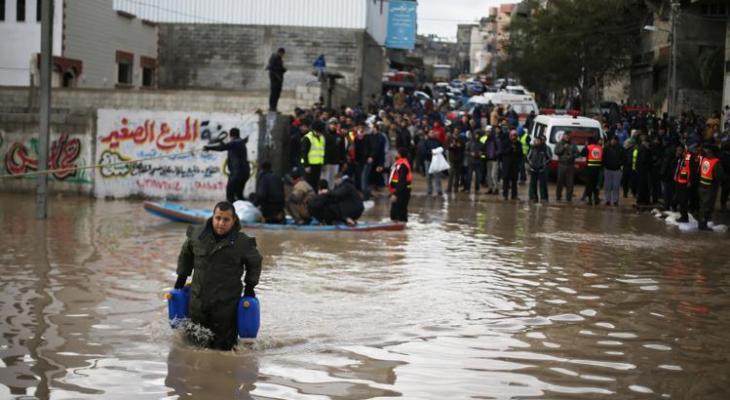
247 212
438 162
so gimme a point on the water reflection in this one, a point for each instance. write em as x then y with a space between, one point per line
478 299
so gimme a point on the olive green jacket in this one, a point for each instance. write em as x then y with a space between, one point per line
218 265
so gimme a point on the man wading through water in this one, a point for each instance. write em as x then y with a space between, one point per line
218 253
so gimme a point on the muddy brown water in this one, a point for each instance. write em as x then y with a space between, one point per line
474 300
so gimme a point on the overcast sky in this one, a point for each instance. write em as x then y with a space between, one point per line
442 16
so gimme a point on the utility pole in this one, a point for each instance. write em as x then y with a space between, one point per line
494 49
45 107
672 95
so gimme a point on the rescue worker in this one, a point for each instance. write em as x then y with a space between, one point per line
711 175
237 163
219 254
525 143
399 184
313 144
593 153
682 181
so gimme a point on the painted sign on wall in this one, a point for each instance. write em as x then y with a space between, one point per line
401 25
159 153
19 155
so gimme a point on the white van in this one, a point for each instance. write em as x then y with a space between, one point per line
522 104
553 127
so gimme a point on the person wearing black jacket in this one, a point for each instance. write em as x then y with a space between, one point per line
644 164
399 184
270 195
331 155
613 160
238 169
276 77
511 156
345 201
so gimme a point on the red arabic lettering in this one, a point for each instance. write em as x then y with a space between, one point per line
149 183
213 186
64 153
168 140
139 135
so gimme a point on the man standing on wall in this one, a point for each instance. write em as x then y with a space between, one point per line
276 76
238 169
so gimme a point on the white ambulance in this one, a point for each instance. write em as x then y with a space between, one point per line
553 127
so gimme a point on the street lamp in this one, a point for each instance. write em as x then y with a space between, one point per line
671 79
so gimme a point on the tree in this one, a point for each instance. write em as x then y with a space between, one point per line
573 44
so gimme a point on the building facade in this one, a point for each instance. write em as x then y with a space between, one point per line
700 49
94 45
20 30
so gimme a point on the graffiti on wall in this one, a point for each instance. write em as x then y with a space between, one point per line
65 153
159 153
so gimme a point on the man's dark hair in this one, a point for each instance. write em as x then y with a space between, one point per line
323 184
224 206
266 166
403 151
281 50
234 133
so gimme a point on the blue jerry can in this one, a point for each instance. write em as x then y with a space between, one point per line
178 301
249 317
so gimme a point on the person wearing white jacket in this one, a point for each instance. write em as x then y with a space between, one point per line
434 155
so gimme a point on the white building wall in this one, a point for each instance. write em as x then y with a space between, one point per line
477 51
20 41
94 32
377 20
351 14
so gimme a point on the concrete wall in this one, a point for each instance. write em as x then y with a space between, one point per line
217 56
371 70
194 100
125 135
726 86
93 125
72 145
20 41
93 32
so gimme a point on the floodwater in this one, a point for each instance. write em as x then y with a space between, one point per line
474 300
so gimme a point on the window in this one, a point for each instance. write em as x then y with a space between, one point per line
2 10
578 134
38 7
148 65
714 10
125 65
20 11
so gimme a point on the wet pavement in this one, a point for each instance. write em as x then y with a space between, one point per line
475 299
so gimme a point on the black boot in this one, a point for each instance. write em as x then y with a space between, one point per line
702 225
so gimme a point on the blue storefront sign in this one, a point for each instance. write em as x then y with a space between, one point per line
401 25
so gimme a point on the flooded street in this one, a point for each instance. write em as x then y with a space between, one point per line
473 300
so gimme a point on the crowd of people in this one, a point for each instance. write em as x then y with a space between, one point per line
490 150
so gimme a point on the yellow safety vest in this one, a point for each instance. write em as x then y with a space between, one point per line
316 149
634 156
525 145
483 140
